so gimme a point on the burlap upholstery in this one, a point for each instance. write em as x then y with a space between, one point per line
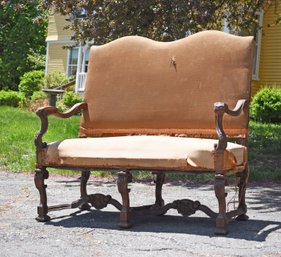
139 86
142 152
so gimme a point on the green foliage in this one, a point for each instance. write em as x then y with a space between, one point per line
160 20
34 102
61 107
36 61
55 79
38 95
264 151
18 129
18 35
266 105
10 98
70 98
157 19
31 81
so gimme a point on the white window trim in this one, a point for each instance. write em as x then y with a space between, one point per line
68 60
47 58
255 76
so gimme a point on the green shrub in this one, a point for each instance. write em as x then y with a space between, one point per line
55 79
70 98
61 107
36 61
31 81
10 98
38 95
266 105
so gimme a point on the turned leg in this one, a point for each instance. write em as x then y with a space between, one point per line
124 177
160 178
242 192
83 190
221 220
42 209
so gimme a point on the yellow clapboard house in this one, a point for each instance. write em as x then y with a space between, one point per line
57 39
269 51
63 54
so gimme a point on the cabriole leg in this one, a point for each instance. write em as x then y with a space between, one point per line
42 209
242 194
221 220
85 175
160 178
124 177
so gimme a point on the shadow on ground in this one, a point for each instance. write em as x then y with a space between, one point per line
253 230
261 200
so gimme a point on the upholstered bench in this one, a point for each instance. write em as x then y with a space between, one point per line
158 107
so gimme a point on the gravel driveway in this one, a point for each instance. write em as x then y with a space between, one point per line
95 233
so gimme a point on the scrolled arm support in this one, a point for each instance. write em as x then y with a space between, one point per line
43 114
220 109
237 109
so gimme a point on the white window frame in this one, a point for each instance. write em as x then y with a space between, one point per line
258 37
69 66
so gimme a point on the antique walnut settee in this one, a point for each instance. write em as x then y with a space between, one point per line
159 107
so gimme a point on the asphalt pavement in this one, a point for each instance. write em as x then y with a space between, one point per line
95 233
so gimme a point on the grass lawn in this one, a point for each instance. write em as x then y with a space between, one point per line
265 151
18 128
17 132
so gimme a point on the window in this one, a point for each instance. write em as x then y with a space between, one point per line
87 55
72 61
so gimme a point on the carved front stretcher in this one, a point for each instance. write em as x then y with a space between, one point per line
158 107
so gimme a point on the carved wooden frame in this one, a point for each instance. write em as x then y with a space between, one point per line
185 207
41 172
220 176
43 114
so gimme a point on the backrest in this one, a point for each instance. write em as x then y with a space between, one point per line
139 86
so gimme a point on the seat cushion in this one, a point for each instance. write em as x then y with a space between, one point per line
141 152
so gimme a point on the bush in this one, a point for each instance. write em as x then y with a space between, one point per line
38 99
31 81
10 98
55 79
61 107
36 61
38 95
266 105
70 98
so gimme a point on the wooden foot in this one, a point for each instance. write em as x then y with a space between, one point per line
42 209
42 218
124 177
242 217
85 175
85 207
160 178
221 220
242 194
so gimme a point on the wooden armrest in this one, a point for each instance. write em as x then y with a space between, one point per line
43 114
220 109
237 109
